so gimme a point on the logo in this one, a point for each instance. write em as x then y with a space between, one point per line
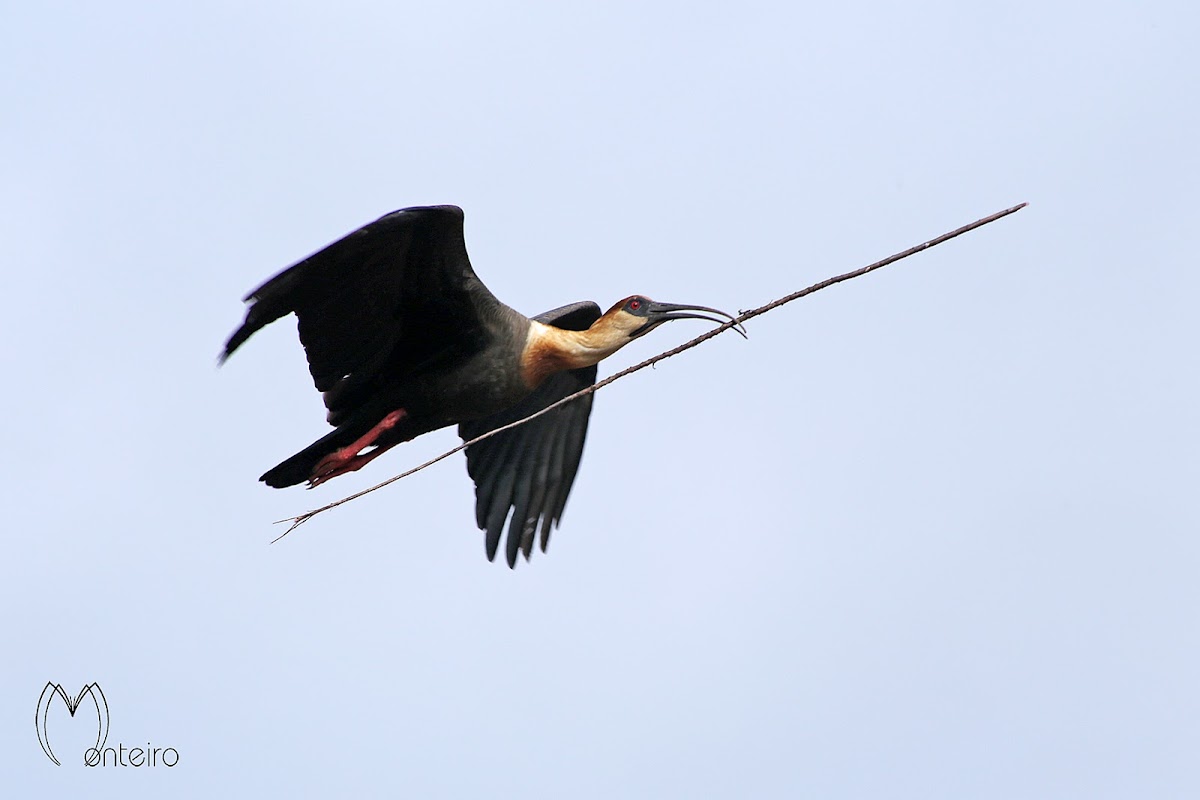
96 755
91 691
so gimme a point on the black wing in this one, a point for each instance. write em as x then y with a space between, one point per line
529 469
393 296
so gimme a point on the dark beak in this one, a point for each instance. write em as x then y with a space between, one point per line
658 313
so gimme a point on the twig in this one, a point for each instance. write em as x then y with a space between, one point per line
704 337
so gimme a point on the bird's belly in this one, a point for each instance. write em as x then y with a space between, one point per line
473 391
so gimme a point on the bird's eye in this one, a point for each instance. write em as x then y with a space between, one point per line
635 304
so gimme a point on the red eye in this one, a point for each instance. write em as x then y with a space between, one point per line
635 304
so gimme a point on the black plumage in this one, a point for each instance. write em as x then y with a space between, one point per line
530 469
402 338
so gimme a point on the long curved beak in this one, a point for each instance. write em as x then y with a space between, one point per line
658 313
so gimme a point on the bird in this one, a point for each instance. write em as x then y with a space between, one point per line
402 338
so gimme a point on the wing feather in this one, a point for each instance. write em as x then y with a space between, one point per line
527 472
394 295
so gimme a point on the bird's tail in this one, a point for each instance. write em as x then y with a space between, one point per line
299 467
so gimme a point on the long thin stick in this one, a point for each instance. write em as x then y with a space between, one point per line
745 315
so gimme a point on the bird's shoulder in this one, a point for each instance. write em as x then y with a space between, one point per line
574 317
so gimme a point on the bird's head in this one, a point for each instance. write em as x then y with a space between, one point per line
550 349
638 315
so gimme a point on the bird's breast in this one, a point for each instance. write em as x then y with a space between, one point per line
482 385
549 350
540 361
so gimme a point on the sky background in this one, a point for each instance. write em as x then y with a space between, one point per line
928 534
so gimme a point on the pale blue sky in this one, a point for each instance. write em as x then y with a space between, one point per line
929 534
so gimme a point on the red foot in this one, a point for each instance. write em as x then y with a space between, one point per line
347 459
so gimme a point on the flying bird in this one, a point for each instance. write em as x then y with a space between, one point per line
402 339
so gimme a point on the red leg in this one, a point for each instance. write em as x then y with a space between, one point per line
347 459
350 464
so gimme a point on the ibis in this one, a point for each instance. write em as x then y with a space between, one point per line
402 338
